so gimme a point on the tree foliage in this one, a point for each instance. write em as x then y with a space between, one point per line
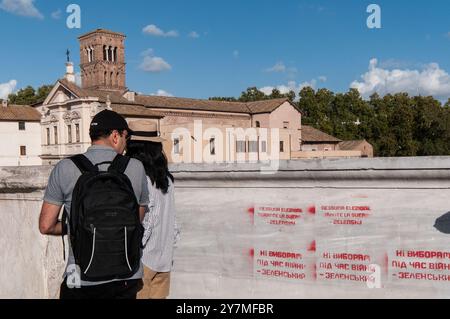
252 94
396 124
29 96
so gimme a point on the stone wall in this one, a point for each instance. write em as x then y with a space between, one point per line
313 229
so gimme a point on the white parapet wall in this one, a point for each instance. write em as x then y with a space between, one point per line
353 228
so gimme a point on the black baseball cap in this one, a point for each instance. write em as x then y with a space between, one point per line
108 120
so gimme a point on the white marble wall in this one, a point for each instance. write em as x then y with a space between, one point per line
223 233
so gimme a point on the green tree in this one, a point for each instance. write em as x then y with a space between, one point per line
252 94
29 95
307 105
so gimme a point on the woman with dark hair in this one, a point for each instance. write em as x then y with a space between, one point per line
161 230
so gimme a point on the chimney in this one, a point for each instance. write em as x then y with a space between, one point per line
5 103
70 75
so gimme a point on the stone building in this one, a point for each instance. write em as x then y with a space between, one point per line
362 145
20 135
318 144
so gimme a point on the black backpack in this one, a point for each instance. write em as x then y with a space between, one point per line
105 228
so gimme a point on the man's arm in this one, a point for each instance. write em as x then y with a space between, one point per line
142 213
48 220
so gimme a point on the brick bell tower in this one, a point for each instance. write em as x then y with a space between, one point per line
102 60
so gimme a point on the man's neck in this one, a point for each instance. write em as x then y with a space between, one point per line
101 143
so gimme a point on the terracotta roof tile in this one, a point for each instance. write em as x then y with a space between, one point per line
312 135
114 96
135 110
350 145
164 102
191 104
266 106
19 113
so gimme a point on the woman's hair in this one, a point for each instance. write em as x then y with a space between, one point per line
155 162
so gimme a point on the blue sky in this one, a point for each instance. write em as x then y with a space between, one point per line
203 48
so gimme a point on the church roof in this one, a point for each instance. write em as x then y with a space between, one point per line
135 110
163 102
19 113
102 95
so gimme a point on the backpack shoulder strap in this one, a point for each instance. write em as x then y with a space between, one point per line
83 164
119 164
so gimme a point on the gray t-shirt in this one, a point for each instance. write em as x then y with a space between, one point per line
60 186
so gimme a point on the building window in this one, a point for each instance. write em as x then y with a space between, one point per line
77 132
263 146
281 146
21 126
55 132
48 136
89 54
69 133
252 146
212 146
23 151
258 124
327 149
176 146
285 125
240 146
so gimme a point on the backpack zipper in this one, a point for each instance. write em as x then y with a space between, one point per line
126 249
93 250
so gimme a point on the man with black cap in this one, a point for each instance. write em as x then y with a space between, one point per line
109 133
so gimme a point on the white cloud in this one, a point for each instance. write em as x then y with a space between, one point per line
7 88
397 64
290 86
193 35
56 14
147 52
322 78
157 32
24 8
162 93
279 67
153 63
236 54
430 80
